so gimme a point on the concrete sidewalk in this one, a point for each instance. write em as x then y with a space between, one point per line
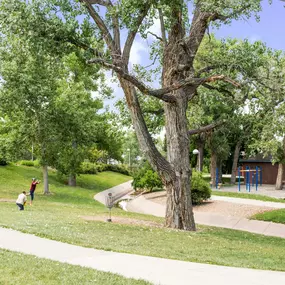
156 270
144 206
118 192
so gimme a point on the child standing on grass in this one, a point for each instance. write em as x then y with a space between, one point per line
33 189
21 201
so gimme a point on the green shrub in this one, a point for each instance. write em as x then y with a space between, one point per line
88 168
27 162
146 179
3 162
118 168
200 189
92 168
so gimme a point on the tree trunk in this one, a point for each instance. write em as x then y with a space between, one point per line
235 163
213 167
279 179
175 172
45 175
220 170
179 213
72 180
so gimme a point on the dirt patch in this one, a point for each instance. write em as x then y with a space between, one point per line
7 200
218 207
231 209
123 221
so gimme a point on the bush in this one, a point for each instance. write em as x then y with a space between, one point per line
92 168
200 189
146 179
27 162
3 162
88 168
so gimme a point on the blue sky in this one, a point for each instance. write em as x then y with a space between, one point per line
270 29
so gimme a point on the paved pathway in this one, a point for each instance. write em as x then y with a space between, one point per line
156 270
144 206
118 192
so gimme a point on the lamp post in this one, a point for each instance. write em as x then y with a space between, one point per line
129 150
196 152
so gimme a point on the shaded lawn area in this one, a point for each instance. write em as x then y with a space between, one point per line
275 216
18 268
58 217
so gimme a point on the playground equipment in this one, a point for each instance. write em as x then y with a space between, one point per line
252 177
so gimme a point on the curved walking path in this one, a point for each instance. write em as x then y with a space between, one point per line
156 270
118 192
144 206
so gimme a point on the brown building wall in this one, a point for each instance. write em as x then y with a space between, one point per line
269 171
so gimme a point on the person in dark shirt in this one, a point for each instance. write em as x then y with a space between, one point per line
33 189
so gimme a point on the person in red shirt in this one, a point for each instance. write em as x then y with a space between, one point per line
33 189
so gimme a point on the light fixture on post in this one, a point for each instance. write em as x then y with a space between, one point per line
197 152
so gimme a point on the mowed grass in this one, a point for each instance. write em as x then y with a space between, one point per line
276 216
59 217
248 196
18 268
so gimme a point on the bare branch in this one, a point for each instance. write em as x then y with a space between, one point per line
100 2
85 46
205 128
153 62
101 25
159 94
156 36
132 33
162 93
219 89
214 78
162 27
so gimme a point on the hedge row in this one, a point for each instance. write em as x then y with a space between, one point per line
92 168
29 163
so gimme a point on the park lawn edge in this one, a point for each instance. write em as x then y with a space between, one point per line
248 196
67 273
199 227
274 216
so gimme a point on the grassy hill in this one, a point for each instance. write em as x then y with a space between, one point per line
60 217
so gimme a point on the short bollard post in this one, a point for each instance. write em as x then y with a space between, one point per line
109 201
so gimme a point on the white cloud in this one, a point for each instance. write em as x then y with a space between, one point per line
254 38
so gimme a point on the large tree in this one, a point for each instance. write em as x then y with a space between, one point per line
180 80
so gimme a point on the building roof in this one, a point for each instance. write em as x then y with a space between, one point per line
257 159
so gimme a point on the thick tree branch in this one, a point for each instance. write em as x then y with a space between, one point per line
163 93
199 25
85 46
219 89
132 33
162 26
100 2
101 25
159 94
205 128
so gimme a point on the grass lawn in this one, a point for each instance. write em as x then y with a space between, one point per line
276 216
58 217
18 268
248 196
